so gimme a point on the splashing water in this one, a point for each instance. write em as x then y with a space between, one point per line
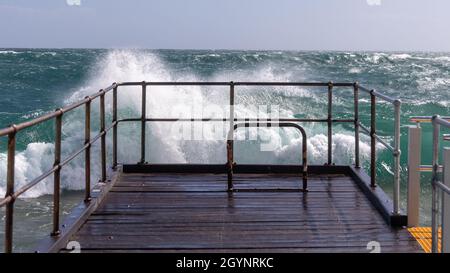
161 102
33 80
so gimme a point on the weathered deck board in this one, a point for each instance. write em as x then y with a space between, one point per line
193 212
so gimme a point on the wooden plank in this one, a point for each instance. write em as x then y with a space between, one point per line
193 212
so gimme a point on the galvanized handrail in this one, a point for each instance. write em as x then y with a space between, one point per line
396 152
446 137
436 183
59 163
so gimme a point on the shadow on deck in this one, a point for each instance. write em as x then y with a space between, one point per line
193 212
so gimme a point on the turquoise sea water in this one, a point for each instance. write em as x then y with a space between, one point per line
36 81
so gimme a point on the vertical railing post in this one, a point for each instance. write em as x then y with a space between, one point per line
373 140
356 104
446 204
414 161
397 154
143 121
87 153
9 213
114 163
330 123
103 135
57 173
434 196
230 140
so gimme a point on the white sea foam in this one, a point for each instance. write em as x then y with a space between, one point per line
9 52
394 57
354 70
162 147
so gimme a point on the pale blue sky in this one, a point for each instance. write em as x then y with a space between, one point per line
395 25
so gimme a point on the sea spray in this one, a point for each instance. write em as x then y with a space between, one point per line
77 73
37 81
126 65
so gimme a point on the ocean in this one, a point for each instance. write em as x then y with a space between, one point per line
37 81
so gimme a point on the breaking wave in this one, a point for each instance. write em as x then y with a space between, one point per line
164 147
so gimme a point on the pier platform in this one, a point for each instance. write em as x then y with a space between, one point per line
266 212
229 207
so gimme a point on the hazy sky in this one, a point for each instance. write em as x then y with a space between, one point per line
396 25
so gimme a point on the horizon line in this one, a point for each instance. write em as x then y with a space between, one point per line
235 49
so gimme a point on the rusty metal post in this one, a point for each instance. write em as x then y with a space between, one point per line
114 164
230 140
230 164
103 133
57 173
87 153
304 159
356 105
330 123
373 140
143 121
397 154
9 214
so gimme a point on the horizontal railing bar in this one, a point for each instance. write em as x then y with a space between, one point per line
425 119
384 143
443 122
74 155
97 137
49 116
367 90
5 201
109 88
443 187
24 125
384 97
365 129
379 139
34 182
429 168
239 120
75 105
306 84
174 83
378 94
37 180
446 137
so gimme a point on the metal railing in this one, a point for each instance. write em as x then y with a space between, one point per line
11 132
12 194
429 119
374 138
268 124
438 185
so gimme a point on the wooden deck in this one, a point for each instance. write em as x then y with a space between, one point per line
164 212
